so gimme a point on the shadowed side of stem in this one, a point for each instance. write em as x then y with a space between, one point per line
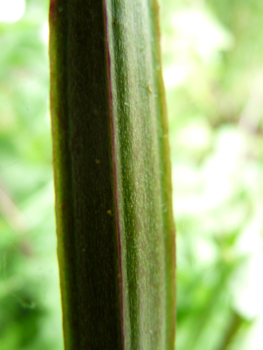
84 177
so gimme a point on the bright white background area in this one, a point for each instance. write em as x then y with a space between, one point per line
11 10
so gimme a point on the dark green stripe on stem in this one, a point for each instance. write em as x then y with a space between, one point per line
84 177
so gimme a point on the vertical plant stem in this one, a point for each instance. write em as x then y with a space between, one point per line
112 175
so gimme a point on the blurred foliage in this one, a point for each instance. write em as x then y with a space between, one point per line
212 58
29 295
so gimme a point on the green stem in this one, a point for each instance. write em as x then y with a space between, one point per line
112 176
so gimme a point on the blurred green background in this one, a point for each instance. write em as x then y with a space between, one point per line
213 72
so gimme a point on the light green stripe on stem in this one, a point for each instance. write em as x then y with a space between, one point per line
143 172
